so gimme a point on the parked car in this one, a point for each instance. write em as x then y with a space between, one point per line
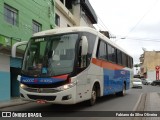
144 82
148 81
137 83
155 82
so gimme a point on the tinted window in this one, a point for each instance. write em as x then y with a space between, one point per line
131 64
111 53
124 59
57 20
102 53
127 60
119 57
37 27
109 48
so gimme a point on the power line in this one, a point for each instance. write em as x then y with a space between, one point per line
101 26
140 20
106 28
142 39
103 23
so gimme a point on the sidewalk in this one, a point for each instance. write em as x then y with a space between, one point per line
12 102
149 102
152 102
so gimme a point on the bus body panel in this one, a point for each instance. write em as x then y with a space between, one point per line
82 87
95 74
113 76
114 83
86 80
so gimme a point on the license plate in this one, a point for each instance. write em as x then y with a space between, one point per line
41 101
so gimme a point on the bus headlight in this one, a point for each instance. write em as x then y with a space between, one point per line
67 86
23 86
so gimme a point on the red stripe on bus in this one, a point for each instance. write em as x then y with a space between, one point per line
61 76
105 64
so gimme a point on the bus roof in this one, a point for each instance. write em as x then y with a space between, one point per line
78 29
65 30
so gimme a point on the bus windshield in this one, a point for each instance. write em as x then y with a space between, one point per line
50 55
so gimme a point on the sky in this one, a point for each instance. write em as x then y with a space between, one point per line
135 23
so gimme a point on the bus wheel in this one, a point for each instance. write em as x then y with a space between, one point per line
92 101
123 92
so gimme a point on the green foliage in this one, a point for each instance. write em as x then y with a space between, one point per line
137 65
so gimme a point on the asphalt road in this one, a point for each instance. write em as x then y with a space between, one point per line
107 103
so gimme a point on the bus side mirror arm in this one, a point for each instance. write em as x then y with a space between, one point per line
14 47
84 46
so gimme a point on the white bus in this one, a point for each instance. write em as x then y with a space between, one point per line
71 65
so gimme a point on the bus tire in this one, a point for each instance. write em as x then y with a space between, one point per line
93 99
123 92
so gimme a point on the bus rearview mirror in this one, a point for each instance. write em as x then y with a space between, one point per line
84 46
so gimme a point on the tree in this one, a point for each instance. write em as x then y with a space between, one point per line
137 65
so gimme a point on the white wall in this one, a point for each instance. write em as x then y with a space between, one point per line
151 75
79 17
85 21
4 63
63 20
5 89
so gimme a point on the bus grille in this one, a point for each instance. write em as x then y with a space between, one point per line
41 90
48 98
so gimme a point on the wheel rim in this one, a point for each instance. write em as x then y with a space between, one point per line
93 97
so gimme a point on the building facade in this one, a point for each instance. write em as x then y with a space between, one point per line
149 61
19 19
74 13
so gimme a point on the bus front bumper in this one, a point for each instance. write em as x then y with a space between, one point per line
67 96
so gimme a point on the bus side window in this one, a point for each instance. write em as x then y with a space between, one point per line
102 50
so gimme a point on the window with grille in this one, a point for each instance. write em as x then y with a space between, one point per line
57 20
37 27
11 15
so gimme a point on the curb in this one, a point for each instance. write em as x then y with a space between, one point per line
13 104
138 102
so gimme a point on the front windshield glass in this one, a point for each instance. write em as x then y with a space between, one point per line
50 55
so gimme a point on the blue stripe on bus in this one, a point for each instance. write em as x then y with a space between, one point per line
45 81
114 79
